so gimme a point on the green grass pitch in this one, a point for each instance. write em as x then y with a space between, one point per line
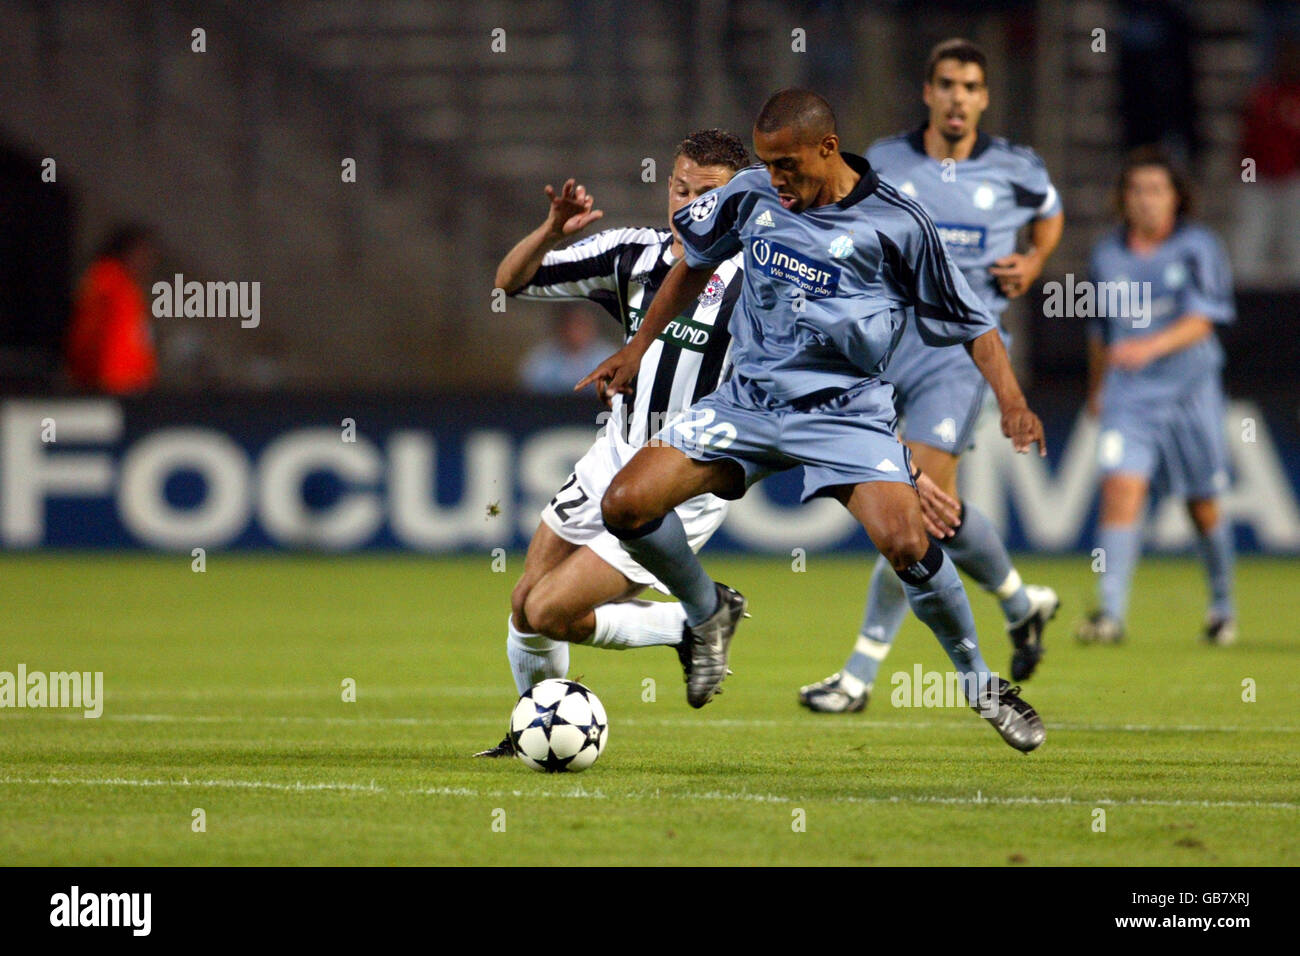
223 692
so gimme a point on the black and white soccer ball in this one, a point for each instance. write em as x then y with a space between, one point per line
558 726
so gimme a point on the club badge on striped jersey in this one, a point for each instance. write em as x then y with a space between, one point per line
714 291
703 207
841 248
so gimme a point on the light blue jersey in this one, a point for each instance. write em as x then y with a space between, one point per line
1187 275
827 294
978 204
828 291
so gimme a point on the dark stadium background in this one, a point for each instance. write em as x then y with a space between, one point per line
377 295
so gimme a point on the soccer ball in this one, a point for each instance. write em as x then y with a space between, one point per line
558 726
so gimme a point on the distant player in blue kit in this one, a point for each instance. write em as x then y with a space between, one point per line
837 265
980 191
1154 376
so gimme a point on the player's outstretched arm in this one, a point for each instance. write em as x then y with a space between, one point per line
571 211
681 286
1018 423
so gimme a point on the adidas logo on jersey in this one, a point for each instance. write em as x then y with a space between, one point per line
887 465
765 219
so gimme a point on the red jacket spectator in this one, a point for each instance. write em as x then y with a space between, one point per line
1271 133
110 342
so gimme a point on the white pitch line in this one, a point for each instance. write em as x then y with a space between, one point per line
696 723
579 792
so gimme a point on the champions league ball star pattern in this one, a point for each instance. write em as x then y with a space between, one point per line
558 726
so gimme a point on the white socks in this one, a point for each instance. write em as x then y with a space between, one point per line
534 658
637 624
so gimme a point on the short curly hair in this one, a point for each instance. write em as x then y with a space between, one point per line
714 147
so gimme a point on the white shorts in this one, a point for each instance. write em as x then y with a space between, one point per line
574 512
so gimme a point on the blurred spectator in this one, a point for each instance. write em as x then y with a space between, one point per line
1266 242
1157 82
599 32
829 67
36 270
1275 21
575 348
110 342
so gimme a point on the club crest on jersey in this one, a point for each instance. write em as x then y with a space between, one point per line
984 196
703 207
714 291
1175 275
841 248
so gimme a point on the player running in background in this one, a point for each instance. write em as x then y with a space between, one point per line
836 262
1155 379
979 190
577 582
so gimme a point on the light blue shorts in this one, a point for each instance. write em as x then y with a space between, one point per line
1177 446
841 437
939 392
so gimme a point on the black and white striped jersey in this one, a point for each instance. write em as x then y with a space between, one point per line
621 270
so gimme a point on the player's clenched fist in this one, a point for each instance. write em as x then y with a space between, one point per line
1024 428
571 209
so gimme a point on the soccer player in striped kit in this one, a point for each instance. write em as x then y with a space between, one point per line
578 585
1155 380
980 191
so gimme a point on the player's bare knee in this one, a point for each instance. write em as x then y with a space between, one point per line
900 536
547 616
906 546
621 507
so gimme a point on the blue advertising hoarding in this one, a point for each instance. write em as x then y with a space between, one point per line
469 473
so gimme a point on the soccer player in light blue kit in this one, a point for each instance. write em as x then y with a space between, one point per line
980 191
837 264
1154 377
